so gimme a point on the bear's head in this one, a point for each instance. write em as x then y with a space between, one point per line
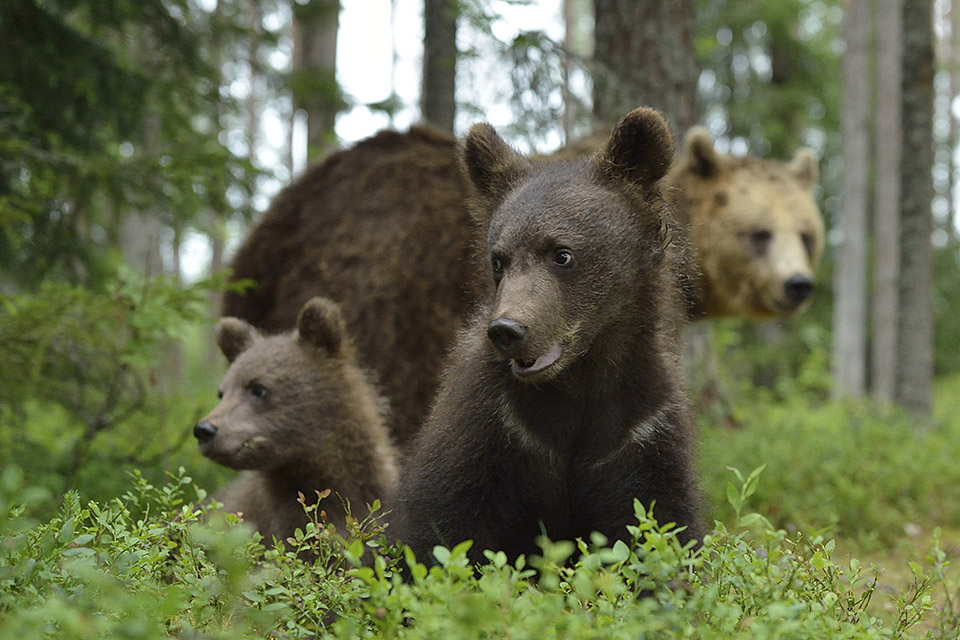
283 397
575 248
754 225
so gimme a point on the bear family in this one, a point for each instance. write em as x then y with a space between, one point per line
298 415
384 229
561 401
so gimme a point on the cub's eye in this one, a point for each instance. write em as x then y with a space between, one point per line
220 394
563 258
257 390
760 239
497 265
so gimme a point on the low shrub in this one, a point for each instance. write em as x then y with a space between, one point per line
152 564
868 470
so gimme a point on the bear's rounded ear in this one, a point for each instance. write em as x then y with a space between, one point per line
640 148
699 156
234 336
803 167
321 324
492 164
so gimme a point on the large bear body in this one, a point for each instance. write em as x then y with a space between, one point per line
384 229
298 415
561 401
381 228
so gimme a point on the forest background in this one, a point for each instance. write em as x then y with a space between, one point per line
140 138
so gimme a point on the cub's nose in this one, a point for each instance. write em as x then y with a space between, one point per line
798 288
506 334
204 431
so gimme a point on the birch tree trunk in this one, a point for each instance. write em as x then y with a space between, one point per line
850 293
886 205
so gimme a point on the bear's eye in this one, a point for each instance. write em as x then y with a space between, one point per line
257 390
807 239
497 264
563 258
760 239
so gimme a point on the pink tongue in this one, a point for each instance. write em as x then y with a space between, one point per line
543 361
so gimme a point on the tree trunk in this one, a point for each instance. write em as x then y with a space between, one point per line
438 101
849 308
915 321
644 55
953 68
314 75
886 205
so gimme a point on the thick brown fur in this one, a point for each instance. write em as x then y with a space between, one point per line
381 228
558 426
384 229
298 415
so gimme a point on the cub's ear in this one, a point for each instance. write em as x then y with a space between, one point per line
492 164
803 167
699 156
640 148
321 325
234 336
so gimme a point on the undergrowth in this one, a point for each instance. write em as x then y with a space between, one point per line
154 564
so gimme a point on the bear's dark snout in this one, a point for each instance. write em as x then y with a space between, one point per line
798 288
506 334
204 432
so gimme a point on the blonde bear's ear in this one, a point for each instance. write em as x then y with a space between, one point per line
803 167
699 156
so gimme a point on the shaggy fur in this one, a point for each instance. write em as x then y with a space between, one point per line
384 229
560 423
299 415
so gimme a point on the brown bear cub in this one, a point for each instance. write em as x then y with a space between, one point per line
299 415
562 400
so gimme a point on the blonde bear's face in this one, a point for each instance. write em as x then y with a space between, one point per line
754 226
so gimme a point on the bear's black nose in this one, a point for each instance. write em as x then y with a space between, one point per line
798 288
204 432
506 334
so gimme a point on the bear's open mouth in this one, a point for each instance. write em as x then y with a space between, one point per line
527 367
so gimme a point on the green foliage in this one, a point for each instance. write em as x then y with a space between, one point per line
864 469
151 564
106 109
81 363
946 301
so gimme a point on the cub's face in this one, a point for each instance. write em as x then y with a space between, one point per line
755 228
281 395
258 420
564 262
574 248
